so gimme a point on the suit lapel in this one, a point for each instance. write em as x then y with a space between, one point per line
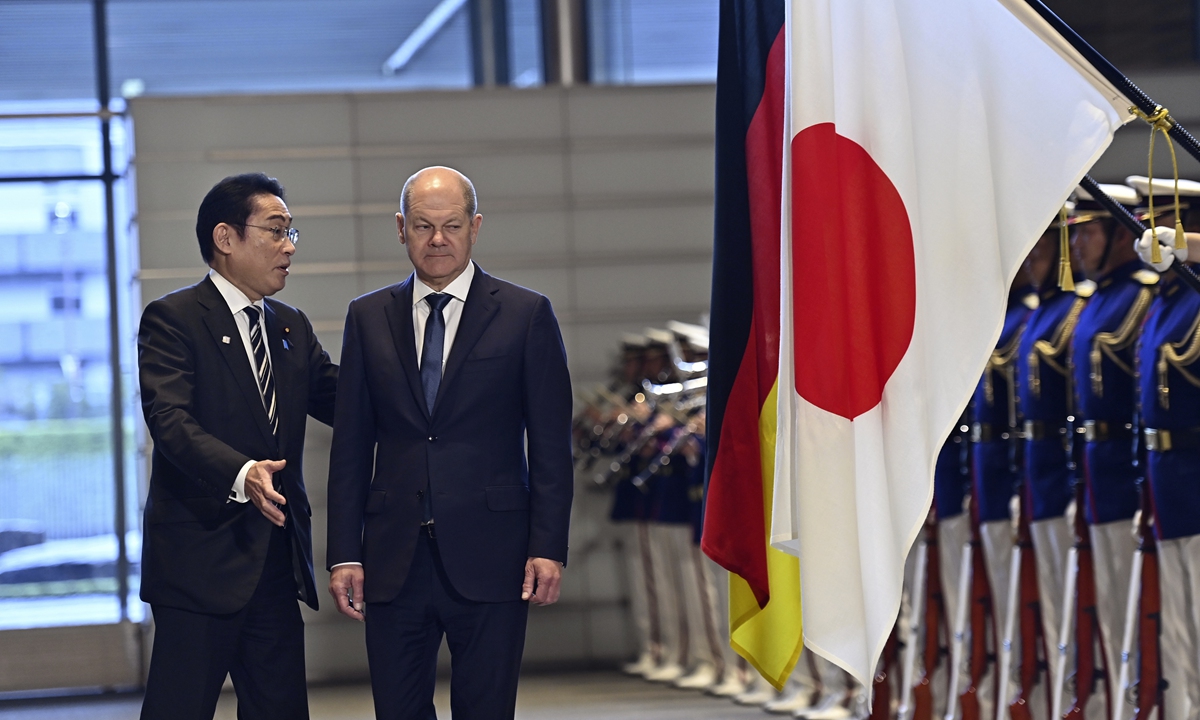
279 370
478 311
228 341
399 316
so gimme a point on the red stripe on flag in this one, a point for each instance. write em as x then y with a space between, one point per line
735 528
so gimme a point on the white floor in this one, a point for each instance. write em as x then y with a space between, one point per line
585 696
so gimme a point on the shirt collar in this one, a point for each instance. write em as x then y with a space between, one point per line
234 298
458 288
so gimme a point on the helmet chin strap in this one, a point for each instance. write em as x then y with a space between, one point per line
1110 233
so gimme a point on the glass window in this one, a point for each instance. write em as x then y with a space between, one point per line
58 548
40 146
653 41
242 46
525 43
49 52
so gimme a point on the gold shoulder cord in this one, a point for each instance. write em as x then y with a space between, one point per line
1001 360
1160 122
1049 350
1111 343
1169 355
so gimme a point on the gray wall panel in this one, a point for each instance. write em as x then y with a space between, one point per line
457 117
599 198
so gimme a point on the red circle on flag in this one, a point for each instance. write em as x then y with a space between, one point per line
854 295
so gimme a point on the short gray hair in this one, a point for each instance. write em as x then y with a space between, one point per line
468 190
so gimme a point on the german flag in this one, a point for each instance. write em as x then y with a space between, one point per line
764 608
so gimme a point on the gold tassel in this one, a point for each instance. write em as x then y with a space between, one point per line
1065 280
1164 393
1160 121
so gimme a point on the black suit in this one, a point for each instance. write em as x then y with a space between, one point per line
205 558
494 505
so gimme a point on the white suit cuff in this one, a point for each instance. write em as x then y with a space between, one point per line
238 494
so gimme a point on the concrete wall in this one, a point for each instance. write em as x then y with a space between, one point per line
600 198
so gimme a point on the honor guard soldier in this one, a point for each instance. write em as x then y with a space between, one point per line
995 438
624 423
668 510
1169 385
1105 389
1043 369
950 488
715 663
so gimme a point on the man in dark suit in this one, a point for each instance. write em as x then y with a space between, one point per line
227 378
441 522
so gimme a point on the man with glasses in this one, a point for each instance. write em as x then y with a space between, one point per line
227 378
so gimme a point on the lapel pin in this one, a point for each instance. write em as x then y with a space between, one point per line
225 339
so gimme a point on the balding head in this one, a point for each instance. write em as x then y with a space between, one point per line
438 225
438 176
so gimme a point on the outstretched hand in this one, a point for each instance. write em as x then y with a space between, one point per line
260 489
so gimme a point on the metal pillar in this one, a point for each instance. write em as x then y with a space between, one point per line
116 401
565 42
489 42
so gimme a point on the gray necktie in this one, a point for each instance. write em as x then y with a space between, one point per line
262 367
431 373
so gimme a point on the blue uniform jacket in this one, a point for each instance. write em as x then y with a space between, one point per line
1042 365
1170 400
949 480
993 479
1103 353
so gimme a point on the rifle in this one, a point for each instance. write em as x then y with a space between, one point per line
1131 624
1006 639
1150 685
1087 623
982 622
1060 665
1024 575
935 611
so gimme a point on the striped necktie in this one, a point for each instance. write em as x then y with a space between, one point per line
262 367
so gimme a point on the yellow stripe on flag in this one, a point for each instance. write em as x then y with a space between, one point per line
770 638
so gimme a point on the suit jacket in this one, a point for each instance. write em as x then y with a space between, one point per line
206 418
505 383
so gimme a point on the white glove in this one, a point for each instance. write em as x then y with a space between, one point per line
1166 244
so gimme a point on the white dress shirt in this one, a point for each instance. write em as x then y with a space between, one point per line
237 301
457 290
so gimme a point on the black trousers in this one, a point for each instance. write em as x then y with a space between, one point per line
261 647
486 641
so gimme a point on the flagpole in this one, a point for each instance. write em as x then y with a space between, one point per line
1116 77
1135 226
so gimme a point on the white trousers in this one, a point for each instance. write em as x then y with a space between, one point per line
1179 579
667 576
643 602
1113 546
1052 540
953 535
708 635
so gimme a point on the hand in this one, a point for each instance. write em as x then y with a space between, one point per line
260 488
1166 242
542 579
346 587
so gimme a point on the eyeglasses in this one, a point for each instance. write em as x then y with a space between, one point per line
279 233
